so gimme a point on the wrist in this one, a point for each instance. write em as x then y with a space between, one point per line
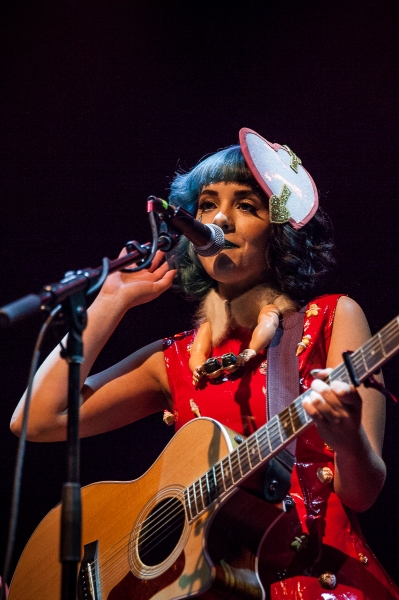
108 307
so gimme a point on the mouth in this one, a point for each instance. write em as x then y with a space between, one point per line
228 244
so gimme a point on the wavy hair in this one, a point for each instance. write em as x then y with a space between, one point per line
301 262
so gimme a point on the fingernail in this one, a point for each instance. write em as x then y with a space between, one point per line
315 372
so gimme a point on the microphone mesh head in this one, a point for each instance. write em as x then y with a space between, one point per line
215 244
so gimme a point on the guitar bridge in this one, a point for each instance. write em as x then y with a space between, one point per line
88 580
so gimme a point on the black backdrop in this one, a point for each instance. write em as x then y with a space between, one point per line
102 100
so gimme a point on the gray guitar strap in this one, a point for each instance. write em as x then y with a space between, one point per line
282 373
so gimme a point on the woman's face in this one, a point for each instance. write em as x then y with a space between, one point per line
244 218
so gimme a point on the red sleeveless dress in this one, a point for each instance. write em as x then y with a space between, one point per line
238 400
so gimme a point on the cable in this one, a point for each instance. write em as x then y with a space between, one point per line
103 277
147 262
21 453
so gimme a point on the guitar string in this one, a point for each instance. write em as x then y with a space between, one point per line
182 494
381 343
196 491
204 502
243 459
178 509
166 512
375 346
162 510
383 338
105 570
118 550
235 458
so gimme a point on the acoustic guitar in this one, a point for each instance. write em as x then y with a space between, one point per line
196 522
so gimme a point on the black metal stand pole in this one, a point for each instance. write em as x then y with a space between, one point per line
71 511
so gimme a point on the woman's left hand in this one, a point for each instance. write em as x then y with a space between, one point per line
336 409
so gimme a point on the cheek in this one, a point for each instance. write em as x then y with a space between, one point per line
259 242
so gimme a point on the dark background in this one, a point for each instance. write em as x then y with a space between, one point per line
103 100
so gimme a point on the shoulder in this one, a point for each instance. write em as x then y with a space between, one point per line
348 313
350 329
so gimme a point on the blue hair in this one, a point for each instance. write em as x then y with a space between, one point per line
225 165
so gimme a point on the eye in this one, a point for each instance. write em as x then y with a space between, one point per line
206 205
247 207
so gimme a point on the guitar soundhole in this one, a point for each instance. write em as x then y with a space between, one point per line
161 531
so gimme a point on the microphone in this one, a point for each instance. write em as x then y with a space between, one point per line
207 240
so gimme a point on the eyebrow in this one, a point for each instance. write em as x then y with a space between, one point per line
238 194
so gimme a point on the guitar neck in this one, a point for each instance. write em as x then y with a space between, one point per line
283 428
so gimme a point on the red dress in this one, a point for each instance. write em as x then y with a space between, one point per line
239 402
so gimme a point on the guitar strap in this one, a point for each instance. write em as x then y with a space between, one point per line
282 364
282 382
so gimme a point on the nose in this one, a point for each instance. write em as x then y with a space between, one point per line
224 222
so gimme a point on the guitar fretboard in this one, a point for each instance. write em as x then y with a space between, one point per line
277 433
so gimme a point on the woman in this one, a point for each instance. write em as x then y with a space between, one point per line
277 254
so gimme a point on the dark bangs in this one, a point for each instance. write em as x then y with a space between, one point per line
227 165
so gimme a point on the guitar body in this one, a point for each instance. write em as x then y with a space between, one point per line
213 556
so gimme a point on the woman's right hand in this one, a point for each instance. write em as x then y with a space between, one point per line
131 289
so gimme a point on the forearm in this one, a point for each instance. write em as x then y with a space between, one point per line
49 397
359 473
120 292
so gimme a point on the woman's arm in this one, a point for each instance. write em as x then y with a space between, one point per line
127 391
351 422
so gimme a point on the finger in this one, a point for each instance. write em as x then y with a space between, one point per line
320 373
339 389
346 393
320 410
312 404
162 270
320 386
158 259
165 282
323 402
342 389
333 394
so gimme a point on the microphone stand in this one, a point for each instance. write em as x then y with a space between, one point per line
71 293
71 510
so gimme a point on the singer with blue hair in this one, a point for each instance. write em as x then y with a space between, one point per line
265 332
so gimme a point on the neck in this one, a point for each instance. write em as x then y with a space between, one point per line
263 290
229 292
